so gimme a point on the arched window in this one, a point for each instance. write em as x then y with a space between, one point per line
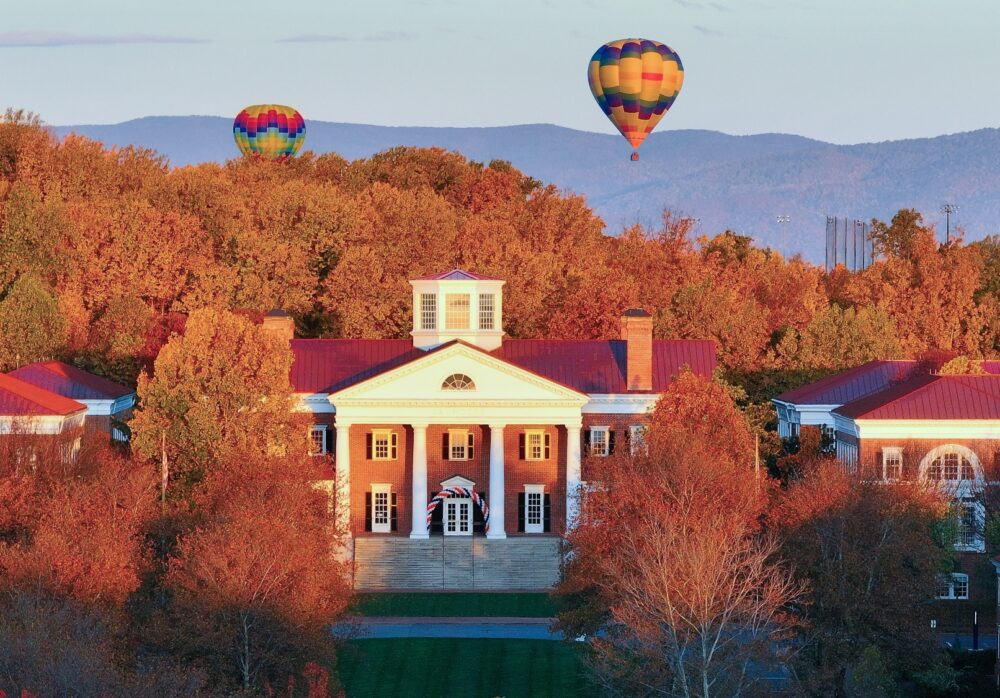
950 463
458 381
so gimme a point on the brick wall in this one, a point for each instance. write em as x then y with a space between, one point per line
619 423
914 450
551 473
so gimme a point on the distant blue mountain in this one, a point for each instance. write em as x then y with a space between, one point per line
738 182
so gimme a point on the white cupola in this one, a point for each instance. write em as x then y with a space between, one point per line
457 305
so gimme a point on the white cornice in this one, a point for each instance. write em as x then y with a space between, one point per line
621 403
926 428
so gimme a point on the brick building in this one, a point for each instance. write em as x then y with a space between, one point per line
459 453
894 421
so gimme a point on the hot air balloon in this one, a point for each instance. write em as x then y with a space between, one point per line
270 130
635 82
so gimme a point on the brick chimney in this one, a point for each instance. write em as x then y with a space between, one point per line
281 323
637 332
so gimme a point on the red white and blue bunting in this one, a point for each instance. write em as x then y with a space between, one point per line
458 492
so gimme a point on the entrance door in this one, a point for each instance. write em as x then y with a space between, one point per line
458 516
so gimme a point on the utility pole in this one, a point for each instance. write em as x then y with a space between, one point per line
947 210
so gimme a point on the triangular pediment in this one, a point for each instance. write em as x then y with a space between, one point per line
492 380
458 481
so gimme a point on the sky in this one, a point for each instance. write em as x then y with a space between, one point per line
844 71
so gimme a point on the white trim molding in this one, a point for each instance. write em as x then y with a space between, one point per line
621 403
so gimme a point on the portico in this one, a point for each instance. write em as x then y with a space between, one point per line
464 399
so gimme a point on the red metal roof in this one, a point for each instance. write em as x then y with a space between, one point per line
598 366
931 397
852 384
860 381
589 366
69 381
329 365
456 275
20 399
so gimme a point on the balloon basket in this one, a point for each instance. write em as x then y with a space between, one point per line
635 157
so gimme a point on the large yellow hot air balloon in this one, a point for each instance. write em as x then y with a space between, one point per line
635 82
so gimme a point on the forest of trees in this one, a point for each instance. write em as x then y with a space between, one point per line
107 256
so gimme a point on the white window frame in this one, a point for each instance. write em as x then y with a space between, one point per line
539 525
892 453
458 443
952 582
386 490
428 311
976 543
529 453
460 505
456 317
637 439
323 448
387 435
606 447
487 311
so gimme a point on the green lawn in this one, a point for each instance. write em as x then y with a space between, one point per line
420 667
443 604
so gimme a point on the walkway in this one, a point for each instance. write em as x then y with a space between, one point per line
506 628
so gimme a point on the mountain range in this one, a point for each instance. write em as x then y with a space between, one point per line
741 183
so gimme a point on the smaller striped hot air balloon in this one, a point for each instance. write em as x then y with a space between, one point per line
635 82
272 131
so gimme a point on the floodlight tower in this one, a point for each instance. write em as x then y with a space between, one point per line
947 210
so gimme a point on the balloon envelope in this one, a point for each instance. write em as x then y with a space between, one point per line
271 130
635 82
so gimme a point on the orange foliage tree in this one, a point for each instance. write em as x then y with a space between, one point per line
870 556
668 560
255 584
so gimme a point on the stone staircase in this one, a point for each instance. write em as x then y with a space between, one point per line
458 563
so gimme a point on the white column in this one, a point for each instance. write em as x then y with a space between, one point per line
497 483
343 484
418 500
573 476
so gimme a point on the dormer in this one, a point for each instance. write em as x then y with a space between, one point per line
457 305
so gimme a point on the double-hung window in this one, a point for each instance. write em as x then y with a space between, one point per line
317 440
892 463
637 439
953 586
384 444
534 444
459 445
600 441
486 311
428 311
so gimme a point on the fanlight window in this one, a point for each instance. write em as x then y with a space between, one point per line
951 466
458 381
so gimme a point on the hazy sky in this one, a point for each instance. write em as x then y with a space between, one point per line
840 70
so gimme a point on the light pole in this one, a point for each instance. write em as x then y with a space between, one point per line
947 210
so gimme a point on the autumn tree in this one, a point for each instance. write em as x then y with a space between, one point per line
221 386
870 558
682 589
79 530
31 325
255 584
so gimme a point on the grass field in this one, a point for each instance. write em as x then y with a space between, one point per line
419 668
443 604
